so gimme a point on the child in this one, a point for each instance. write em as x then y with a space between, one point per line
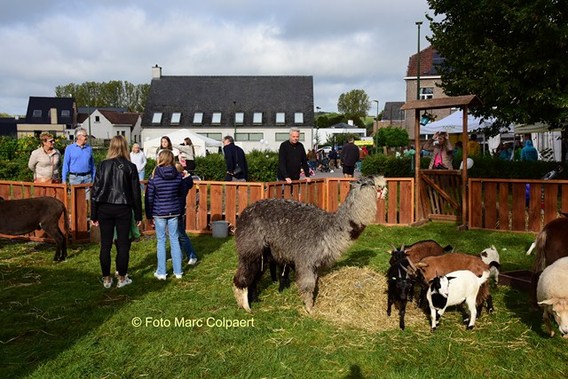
163 209
184 240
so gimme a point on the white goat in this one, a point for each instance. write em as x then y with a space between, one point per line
491 257
453 289
552 295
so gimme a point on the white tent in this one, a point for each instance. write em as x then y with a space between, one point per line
201 143
454 124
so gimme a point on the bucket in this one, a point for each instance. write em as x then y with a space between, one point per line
220 229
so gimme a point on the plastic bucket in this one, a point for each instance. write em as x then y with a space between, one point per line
220 229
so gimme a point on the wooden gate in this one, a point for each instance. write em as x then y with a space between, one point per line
441 194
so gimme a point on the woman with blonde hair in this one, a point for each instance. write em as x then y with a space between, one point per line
115 195
45 161
163 209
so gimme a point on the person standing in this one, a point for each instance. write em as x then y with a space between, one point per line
163 210
235 160
473 147
115 197
529 152
78 161
292 158
187 155
45 160
138 157
184 241
349 157
441 149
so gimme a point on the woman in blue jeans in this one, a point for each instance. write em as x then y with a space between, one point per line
184 241
163 208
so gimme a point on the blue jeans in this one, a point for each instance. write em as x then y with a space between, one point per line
82 179
184 241
141 175
171 223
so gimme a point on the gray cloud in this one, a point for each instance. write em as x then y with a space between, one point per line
344 45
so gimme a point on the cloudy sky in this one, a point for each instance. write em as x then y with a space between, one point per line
343 44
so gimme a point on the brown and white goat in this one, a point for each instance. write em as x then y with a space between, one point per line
421 249
434 266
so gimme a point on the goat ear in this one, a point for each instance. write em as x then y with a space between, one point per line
450 277
493 247
422 264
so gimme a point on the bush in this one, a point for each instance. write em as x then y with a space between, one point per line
387 165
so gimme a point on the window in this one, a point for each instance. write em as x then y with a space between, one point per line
176 118
239 118
97 118
157 118
65 113
216 118
280 118
215 136
249 136
37 113
198 118
298 118
426 93
257 118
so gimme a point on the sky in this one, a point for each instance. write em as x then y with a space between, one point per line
344 45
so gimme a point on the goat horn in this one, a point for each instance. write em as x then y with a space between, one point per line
411 264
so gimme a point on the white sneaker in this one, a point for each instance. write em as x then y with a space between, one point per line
192 261
178 276
159 277
107 284
125 282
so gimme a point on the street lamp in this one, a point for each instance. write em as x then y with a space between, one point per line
418 23
314 145
235 120
377 119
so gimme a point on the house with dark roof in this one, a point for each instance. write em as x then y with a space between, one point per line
430 78
258 111
103 124
56 115
392 115
8 126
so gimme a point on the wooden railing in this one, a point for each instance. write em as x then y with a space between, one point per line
515 205
210 201
441 196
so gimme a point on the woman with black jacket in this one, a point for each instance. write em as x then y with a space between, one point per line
115 195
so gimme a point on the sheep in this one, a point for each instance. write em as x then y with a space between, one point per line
453 289
308 237
491 257
431 267
551 244
552 295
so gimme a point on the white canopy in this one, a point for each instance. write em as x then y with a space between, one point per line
454 124
201 143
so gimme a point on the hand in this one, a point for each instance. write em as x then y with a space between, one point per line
288 180
138 223
94 223
308 179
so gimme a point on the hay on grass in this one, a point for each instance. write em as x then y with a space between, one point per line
357 297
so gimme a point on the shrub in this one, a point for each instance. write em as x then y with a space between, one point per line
389 166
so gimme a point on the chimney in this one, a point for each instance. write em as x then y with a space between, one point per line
156 72
53 116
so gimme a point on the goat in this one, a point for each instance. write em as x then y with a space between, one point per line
431 267
552 295
453 289
274 227
26 215
491 257
551 244
400 287
421 249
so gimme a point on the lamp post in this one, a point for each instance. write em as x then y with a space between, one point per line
418 23
377 118
314 139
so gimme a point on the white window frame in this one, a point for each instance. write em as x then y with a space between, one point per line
257 118
239 118
176 118
298 118
280 118
216 118
198 118
426 93
157 118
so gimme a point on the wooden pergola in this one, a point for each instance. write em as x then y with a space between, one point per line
464 102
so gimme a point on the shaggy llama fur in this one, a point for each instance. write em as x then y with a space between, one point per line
294 233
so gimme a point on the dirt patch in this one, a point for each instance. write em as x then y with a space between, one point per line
357 297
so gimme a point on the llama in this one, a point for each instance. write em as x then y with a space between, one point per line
289 232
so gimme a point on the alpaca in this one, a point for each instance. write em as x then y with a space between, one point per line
293 233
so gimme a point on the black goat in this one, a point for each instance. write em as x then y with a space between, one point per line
26 215
400 285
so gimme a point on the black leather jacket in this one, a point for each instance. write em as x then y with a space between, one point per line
116 182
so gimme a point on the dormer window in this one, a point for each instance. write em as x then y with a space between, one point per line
176 118
240 118
198 118
257 118
280 118
157 118
216 118
65 113
298 118
36 113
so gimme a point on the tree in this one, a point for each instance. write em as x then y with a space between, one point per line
354 103
511 54
112 94
391 137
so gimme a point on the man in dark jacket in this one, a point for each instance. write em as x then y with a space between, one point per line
292 158
235 160
349 157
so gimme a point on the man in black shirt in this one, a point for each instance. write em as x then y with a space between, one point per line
349 157
292 158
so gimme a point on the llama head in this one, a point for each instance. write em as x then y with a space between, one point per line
378 182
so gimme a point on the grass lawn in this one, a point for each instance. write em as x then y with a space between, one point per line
58 321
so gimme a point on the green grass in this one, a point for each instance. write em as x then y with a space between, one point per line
58 321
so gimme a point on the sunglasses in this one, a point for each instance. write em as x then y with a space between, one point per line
51 141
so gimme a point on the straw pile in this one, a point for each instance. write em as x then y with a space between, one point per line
357 297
